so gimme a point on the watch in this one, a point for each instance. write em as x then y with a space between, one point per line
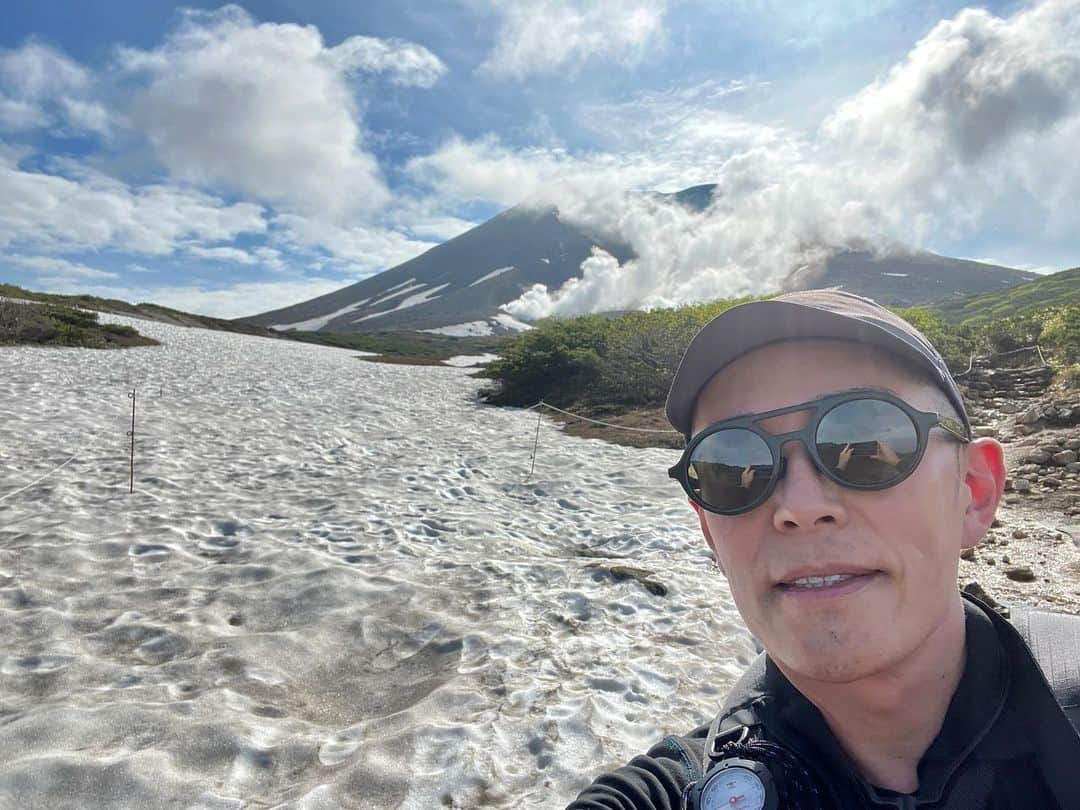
734 784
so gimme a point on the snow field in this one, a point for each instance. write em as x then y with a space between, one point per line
333 587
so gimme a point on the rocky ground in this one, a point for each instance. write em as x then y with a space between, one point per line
1031 555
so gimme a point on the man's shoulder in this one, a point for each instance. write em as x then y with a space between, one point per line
1054 642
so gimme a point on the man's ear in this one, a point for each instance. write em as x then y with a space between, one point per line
705 530
985 480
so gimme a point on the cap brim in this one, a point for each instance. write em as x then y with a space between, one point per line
758 323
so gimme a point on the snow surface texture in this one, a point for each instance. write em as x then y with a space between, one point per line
333 587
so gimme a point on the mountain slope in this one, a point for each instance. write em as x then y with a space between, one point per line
1056 289
460 281
458 286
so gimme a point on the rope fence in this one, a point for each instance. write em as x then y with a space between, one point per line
548 405
974 357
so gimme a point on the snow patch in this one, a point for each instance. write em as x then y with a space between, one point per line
510 322
399 292
412 301
492 275
896 275
315 324
470 360
470 329
402 284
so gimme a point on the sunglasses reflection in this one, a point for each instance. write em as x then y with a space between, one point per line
883 452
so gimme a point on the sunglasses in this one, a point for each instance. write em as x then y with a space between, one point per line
860 439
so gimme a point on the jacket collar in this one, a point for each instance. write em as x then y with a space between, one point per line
764 696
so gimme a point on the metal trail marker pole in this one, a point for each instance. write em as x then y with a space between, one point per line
131 433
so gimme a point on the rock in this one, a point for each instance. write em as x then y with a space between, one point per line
1051 481
1050 448
991 561
1005 559
1022 485
1009 407
1039 456
975 589
1020 573
985 430
1064 457
1073 466
643 577
967 554
1012 500
1072 444
1019 534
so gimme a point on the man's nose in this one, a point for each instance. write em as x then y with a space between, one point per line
804 498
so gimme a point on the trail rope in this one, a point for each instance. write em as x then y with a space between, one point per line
541 403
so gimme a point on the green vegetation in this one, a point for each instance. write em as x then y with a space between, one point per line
53 325
150 311
417 348
630 360
1055 290
595 359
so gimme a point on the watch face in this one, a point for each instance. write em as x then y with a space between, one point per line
733 789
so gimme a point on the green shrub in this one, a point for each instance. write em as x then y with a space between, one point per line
120 330
631 359
594 359
78 318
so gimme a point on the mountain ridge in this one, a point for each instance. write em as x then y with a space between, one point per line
458 287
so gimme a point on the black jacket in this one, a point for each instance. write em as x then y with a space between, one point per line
1005 742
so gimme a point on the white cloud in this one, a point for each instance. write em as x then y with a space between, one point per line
234 301
365 250
55 268
90 210
980 109
546 36
261 109
41 87
406 62
224 254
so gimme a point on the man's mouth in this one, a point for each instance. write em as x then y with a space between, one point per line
840 582
817 582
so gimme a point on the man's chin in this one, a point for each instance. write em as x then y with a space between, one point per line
828 654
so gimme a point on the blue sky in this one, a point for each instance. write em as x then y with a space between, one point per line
234 159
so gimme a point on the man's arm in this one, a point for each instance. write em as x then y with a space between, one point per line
654 781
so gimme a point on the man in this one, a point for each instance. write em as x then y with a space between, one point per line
831 465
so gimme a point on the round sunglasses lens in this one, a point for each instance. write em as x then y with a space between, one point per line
867 442
730 469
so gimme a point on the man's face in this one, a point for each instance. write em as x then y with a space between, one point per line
902 543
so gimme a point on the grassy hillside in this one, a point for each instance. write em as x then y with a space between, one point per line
1056 290
150 311
421 348
54 325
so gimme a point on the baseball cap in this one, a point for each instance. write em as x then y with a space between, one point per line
825 314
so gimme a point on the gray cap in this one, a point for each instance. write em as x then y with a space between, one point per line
828 314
